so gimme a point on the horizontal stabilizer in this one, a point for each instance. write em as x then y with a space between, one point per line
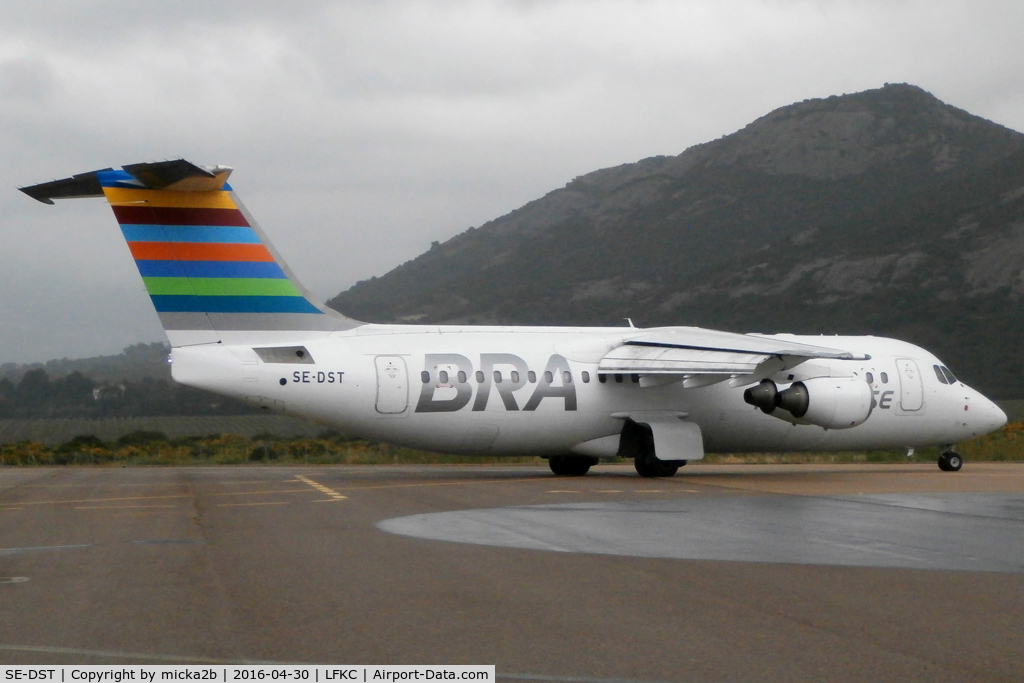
179 176
176 175
75 187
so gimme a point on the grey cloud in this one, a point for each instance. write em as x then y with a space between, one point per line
25 78
362 131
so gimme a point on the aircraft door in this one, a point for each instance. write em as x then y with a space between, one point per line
392 385
911 388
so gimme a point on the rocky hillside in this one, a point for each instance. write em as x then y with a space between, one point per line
884 212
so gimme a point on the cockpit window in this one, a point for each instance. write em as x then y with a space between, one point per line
938 373
948 374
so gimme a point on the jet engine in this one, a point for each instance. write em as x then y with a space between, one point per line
829 402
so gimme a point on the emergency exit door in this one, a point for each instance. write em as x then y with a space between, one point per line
392 385
911 387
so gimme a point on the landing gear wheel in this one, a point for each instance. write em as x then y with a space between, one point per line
571 466
950 462
649 466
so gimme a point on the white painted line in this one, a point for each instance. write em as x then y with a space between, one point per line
246 505
124 507
13 551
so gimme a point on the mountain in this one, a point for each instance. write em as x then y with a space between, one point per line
884 212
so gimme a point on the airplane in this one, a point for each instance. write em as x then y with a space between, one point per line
240 324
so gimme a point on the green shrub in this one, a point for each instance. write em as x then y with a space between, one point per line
141 437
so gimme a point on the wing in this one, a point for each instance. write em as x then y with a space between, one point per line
700 357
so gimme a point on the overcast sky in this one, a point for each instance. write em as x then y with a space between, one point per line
362 131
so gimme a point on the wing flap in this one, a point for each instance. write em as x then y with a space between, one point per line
709 354
643 359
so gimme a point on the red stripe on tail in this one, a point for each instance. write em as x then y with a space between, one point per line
153 215
198 251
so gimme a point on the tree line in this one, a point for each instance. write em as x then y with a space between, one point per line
38 396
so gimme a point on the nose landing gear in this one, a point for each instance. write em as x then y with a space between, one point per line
950 461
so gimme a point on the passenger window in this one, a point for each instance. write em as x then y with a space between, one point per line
885 378
425 376
443 376
515 377
462 376
586 377
532 376
938 373
566 377
548 377
479 376
618 378
602 378
948 374
497 376
870 378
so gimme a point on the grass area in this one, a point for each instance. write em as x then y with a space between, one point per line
155 448
56 431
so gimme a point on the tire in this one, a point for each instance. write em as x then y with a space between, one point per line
643 467
647 465
951 462
570 466
954 462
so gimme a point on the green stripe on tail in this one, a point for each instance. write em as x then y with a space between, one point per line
220 286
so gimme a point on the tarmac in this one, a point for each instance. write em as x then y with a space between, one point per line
722 573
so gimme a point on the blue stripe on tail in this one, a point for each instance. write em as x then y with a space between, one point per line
260 269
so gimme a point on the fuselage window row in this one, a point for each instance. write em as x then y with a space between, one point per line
514 376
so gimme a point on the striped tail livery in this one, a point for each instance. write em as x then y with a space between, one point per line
206 264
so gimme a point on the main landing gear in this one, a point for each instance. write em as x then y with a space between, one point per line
571 465
647 465
637 442
950 461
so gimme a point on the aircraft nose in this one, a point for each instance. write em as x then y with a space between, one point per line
998 417
992 416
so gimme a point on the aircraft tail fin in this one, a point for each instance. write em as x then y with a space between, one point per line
210 270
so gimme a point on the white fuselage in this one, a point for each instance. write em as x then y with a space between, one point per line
436 388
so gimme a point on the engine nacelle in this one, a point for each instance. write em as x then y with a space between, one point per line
829 402
763 396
